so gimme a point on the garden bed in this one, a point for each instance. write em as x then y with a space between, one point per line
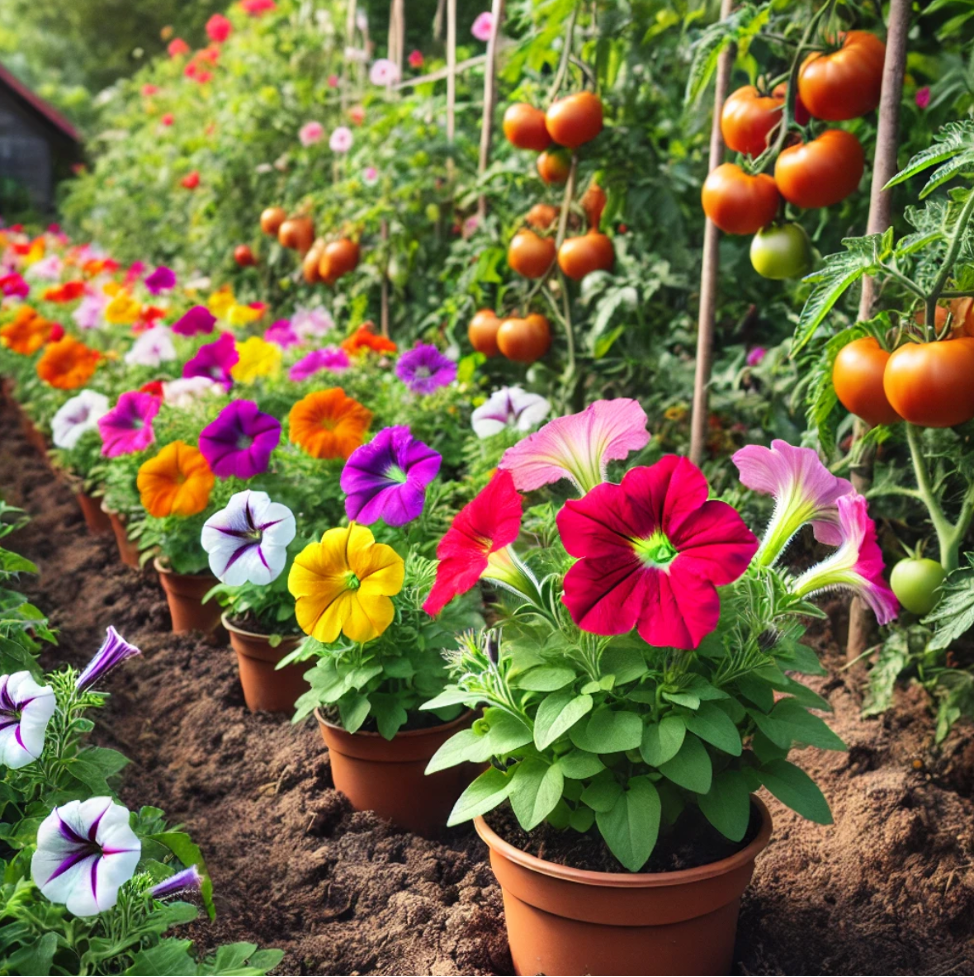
888 890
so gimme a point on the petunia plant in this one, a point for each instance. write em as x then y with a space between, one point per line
639 681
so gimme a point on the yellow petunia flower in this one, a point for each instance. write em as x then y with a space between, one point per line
123 309
342 585
110 288
241 315
258 358
221 301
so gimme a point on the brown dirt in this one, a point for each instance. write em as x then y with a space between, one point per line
889 889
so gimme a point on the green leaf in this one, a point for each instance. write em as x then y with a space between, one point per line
536 788
35 958
557 714
544 678
603 792
795 789
188 852
483 795
462 747
789 722
581 819
449 697
579 765
354 710
953 617
94 765
662 741
714 726
691 767
631 827
687 699
727 805
607 731
953 147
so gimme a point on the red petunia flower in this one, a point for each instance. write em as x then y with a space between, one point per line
218 28
177 47
191 180
477 542
153 387
652 552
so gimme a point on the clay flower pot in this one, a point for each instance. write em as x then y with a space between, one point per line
387 776
568 921
265 687
96 519
185 593
128 550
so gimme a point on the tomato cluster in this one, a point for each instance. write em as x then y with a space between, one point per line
521 340
820 171
321 260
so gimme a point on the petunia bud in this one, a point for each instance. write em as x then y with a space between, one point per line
113 651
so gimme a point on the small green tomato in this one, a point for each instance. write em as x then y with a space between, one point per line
916 583
781 251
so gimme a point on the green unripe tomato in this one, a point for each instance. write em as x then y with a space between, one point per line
781 251
916 584
432 213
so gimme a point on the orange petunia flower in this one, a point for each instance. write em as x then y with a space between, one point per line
67 363
364 338
177 482
68 292
26 333
328 424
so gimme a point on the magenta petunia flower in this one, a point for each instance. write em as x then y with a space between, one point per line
387 478
652 552
282 334
483 26
331 358
578 446
161 280
238 444
127 427
197 320
755 355
923 97
214 361
857 564
425 369
15 285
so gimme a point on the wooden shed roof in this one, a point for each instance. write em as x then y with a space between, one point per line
37 105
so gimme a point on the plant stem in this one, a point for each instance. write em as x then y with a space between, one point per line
566 51
967 211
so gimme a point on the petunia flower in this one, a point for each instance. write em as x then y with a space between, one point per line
177 482
77 416
364 338
153 347
328 424
218 28
238 444
167 119
311 322
198 319
113 651
25 710
311 133
214 361
330 358
857 564
26 333
387 478
424 369
67 363
127 427
90 311
247 541
254 8
123 309
384 72
185 392
370 176
85 853
163 279
14 285
282 334
256 358
804 490
755 355
342 585
46 269
188 880
416 59
477 544
177 47
651 553
922 97
509 407
578 446
483 26
243 315
340 140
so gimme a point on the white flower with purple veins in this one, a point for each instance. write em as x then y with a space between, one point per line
188 880
76 416
311 322
509 407
25 710
247 541
153 347
113 651
86 852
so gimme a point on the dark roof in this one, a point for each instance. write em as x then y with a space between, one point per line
37 105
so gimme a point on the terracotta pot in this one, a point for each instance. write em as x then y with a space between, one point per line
567 921
95 517
128 550
387 776
265 687
34 436
185 593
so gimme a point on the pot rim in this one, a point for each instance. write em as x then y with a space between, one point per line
462 718
630 880
161 568
225 621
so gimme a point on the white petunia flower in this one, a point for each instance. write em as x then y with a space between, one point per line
76 416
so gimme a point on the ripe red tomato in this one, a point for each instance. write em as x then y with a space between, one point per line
593 204
748 118
482 332
297 233
554 167
857 376
542 216
244 256
822 172
575 119
929 384
311 262
738 203
530 255
848 82
578 256
524 340
524 127
271 219
338 258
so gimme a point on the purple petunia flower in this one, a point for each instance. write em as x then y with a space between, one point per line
214 361
425 369
127 427
240 441
755 356
387 478
161 280
114 650
330 358
282 334
198 319
188 880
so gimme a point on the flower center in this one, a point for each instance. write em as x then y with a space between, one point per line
244 441
423 373
352 582
395 474
656 551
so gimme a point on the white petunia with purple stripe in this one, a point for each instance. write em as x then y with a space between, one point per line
25 710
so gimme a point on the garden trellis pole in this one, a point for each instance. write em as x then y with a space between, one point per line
880 208
451 77
711 265
490 98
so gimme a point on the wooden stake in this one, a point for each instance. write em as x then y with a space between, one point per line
451 73
490 98
710 268
880 210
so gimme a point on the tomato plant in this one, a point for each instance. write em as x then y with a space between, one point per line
781 251
737 202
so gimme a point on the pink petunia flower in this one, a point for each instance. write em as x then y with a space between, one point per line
923 97
331 358
148 90
341 140
333 81
127 427
311 133
282 334
483 26
578 446
651 553
755 355
168 119
163 279
384 72
416 59
370 176
218 28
